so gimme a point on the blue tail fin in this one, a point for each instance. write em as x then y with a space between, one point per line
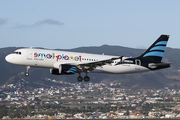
156 51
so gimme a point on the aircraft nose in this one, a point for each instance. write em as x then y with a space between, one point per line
12 58
8 58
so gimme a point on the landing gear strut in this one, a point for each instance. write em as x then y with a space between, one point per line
27 71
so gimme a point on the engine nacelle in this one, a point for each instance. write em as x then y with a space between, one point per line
64 69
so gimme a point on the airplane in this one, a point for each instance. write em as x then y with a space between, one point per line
67 63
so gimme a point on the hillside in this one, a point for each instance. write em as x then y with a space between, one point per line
38 76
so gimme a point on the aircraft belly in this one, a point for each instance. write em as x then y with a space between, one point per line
45 64
123 69
38 63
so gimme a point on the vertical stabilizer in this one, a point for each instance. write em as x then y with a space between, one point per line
156 51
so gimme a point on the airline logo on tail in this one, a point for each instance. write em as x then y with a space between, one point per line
157 50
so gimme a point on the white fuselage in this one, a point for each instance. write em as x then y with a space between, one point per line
53 58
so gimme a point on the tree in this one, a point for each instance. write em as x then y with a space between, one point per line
3 111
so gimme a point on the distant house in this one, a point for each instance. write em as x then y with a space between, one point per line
176 108
6 117
169 116
93 116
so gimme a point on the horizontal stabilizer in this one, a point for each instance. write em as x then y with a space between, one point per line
155 65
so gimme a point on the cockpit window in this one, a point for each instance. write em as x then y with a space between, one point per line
16 52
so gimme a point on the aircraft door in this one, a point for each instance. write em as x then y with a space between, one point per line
29 54
138 64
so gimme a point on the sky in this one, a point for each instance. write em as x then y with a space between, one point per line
66 24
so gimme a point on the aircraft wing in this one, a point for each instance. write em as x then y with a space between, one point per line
89 66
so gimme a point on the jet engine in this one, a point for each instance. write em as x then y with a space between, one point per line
64 69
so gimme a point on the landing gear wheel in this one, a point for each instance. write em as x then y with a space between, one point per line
79 78
26 74
86 78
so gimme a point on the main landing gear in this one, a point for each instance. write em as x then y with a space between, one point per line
27 71
80 79
86 78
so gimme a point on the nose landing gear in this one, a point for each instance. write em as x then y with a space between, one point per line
27 71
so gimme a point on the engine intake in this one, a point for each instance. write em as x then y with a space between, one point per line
64 69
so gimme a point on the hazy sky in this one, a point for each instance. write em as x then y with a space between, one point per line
65 24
